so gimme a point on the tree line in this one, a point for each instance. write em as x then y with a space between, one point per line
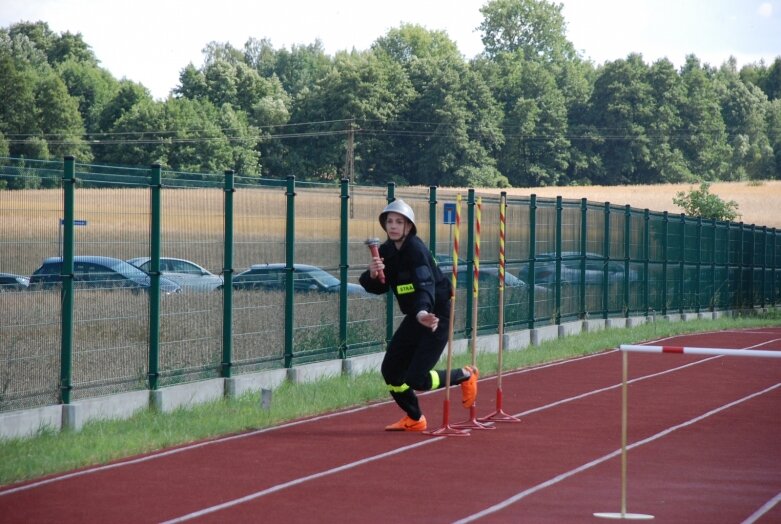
528 111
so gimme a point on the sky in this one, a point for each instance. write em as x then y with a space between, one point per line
151 41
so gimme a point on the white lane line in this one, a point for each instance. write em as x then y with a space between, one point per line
296 482
563 476
764 509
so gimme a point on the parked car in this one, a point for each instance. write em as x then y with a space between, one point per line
11 282
98 272
545 270
305 278
189 275
488 276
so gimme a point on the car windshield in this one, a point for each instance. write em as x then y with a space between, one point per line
129 270
325 279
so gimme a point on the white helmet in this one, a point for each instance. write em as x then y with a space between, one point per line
402 208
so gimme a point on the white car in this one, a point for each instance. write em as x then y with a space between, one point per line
189 275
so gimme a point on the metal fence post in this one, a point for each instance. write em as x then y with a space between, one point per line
714 300
606 256
227 276
665 231
773 287
344 265
154 272
583 251
557 241
698 287
66 319
741 260
627 248
682 266
470 260
764 265
432 219
290 238
532 255
646 261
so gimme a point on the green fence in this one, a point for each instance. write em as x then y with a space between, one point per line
74 336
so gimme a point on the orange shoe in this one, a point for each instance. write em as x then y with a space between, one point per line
469 388
408 424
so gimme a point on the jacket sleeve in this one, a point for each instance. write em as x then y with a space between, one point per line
372 285
423 279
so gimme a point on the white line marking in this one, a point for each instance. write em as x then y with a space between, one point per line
764 509
296 482
558 478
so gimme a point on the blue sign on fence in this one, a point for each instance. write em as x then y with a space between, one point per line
75 222
450 214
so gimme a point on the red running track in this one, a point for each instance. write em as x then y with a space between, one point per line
704 439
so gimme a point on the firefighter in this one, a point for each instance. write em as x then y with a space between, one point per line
423 294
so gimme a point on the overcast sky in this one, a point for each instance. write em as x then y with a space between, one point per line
151 41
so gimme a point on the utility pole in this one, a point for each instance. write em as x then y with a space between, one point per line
349 160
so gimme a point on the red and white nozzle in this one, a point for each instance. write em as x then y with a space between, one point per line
373 245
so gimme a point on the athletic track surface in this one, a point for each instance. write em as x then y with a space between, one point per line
704 446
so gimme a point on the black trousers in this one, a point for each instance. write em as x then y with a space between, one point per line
412 353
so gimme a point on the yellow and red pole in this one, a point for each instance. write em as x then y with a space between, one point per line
447 429
499 415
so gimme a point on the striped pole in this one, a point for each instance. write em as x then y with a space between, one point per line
499 415
447 430
472 422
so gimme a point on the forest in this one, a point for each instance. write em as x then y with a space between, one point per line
529 111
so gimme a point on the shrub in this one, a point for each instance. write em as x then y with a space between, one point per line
700 202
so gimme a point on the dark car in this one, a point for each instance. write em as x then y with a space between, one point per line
98 272
11 282
545 270
189 275
487 277
305 278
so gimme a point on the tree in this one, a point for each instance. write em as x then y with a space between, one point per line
59 119
743 108
703 131
450 130
536 150
127 95
184 135
702 203
91 86
361 91
667 159
620 111
533 28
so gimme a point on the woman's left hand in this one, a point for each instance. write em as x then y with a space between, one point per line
427 319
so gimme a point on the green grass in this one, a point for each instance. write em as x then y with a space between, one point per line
103 441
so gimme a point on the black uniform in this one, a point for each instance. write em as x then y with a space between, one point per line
419 285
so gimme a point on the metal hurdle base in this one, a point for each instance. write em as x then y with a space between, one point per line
624 516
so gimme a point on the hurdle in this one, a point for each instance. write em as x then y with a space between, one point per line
676 350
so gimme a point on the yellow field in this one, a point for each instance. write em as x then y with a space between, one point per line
758 203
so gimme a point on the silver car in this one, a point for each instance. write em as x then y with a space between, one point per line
189 275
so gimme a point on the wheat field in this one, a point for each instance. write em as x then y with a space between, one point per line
759 203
